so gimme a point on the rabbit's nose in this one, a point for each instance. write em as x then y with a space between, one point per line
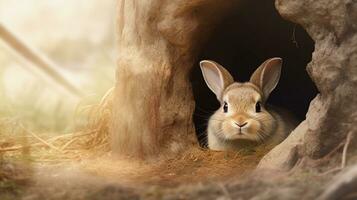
241 125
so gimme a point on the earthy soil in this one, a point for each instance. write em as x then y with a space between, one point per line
198 174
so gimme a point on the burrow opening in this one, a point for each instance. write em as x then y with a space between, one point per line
252 33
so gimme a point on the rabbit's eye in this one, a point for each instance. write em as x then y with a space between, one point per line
225 107
257 107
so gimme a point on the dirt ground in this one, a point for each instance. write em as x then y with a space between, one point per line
68 167
198 174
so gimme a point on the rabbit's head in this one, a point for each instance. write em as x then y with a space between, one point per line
242 114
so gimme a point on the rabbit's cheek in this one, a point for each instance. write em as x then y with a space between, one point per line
228 130
253 127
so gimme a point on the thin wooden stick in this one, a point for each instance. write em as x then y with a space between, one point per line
345 148
42 140
13 148
293 37
54 161
344 155
71 135
341 186
50 141
68 143
37 59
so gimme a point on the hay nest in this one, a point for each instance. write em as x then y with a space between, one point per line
90 149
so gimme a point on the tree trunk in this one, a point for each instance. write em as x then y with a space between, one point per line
158 42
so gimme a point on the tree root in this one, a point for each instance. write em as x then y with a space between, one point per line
342 187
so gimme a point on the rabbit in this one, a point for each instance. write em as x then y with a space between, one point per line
243 118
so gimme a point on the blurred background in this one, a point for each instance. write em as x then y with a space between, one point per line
78 36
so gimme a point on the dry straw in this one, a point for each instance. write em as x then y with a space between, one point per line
93 138
91 145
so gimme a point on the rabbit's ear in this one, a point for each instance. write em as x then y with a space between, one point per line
216 76
266 77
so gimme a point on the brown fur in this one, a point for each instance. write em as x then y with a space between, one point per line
242 126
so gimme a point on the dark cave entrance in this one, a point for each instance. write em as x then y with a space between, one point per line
252 33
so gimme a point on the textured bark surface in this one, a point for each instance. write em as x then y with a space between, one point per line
158 42
332 114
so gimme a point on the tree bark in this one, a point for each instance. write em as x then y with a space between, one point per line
158 42
332 114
